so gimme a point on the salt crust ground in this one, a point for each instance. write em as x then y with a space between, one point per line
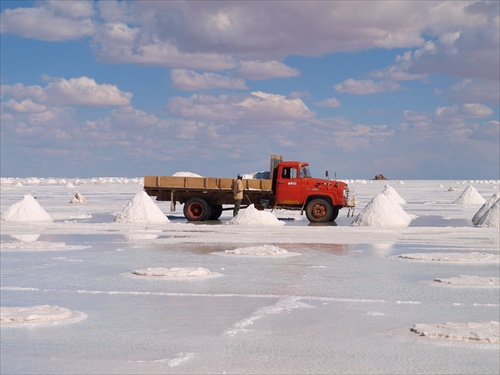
481 332
472 257
39 246
173 273
466 280
258 251
38 314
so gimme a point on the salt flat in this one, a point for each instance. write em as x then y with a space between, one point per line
248 298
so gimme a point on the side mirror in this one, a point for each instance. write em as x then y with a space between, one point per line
326 174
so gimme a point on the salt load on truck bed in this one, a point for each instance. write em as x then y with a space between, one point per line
290 187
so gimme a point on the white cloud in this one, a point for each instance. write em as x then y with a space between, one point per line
330 103
82 91
189 80
266 70
254 107
365 87
118 43
464 111
52 21
24 106
475 91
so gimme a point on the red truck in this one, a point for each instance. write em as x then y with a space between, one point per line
290 186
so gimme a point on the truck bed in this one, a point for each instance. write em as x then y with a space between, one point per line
202 183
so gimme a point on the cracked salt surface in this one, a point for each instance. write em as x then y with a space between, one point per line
347 304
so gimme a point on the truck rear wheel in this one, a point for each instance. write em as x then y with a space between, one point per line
197 209
319 211
216 211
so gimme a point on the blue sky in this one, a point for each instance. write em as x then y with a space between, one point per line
107 88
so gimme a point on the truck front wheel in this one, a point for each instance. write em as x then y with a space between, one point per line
197 209
319 211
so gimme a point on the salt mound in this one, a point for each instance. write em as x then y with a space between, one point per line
33 314
252 216
141 209
491 217
390 192
69 185
78 198
472 257
465 280
186 174
470 196
485 207
26 210
263 250
484 332
175 272
382 211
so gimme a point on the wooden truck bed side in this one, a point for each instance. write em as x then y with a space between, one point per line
202 183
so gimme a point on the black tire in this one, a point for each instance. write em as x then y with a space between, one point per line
216 211
335 213
197 209
319 211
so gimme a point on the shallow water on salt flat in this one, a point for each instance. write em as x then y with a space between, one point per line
354 297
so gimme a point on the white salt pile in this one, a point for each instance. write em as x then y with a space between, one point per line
484 208
174 272
382 211
482 332
252 216
186 174
78 198
141 209
492 217
466 280
472 257
391 193
33 314
69 185
263 250
26 210
470 196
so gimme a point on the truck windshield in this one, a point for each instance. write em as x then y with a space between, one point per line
305 172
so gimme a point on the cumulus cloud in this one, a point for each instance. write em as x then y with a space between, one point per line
256 106
51 21
366 87
266 70
475 91
82 91
189 80
330 103
468 110
119 43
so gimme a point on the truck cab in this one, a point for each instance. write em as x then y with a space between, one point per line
321 198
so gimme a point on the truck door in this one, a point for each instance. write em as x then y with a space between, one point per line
288 186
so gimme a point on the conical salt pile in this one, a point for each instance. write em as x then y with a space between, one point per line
78 198
484 208
252 216
26 210
141 209
382 211
470 196
391 193
492 217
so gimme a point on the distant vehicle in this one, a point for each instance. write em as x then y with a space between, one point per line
290 187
